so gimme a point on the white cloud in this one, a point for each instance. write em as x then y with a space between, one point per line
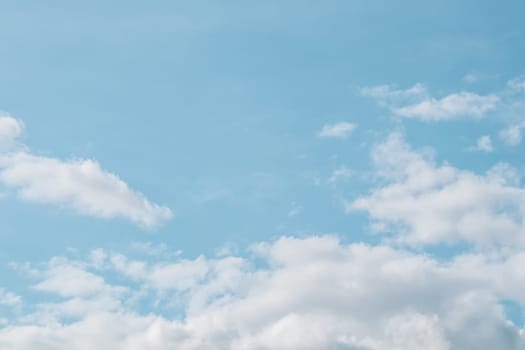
155 249
416 103
70 280
423 203
10 130
9 298
79 293
512 135
514 109
340 174
180 277
483 144
391 92
312 293
227 248
339 130
517 84
78 184
463 104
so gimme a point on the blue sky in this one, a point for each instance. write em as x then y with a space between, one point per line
187 135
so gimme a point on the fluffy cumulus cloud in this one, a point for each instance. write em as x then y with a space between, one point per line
422 202
311 293
463 104
416 103
81 185
339 130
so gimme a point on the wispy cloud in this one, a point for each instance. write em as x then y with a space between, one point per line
340 174
423 203
416 103
81 185
453 106
512 135
517 84
483 144
470 78
295 210
384 92
339 130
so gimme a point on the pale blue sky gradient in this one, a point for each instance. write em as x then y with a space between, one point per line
214 109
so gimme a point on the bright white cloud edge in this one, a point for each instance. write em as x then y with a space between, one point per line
81 185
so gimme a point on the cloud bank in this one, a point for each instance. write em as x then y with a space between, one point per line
314 293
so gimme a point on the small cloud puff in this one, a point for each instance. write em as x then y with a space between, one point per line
483 144
453 106
339 130
10 130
